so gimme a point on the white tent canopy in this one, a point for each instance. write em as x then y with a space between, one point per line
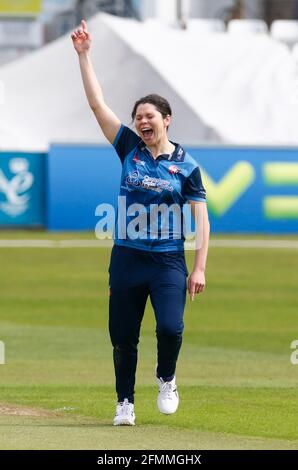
222 89
45 101
245 88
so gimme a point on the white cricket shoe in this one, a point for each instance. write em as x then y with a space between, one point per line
125 415
168 398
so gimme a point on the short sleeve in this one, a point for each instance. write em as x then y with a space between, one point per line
193 188
125 141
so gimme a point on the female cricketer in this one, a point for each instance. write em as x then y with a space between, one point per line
156 173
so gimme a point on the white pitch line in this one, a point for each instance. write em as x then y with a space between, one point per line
28 244
53 243
251 243
223 243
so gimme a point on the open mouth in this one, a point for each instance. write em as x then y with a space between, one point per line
147 133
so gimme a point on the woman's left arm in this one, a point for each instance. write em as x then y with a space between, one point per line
196 281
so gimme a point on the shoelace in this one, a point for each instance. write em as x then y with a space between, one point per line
125 408
166 390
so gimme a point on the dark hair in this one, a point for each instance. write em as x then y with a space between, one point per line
161 104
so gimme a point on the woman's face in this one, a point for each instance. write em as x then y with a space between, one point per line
150 124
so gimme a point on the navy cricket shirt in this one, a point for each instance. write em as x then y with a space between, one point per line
147 183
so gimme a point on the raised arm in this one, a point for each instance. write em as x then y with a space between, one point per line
108 121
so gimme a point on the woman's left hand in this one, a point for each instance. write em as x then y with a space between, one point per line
196 283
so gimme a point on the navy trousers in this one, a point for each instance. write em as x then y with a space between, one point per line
135 275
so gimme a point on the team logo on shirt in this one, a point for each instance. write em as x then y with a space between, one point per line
138 161
173 170
154 184
133 178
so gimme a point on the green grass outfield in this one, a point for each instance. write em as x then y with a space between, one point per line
237 386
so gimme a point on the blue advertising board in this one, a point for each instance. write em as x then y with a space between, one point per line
79 178
22 189
249 190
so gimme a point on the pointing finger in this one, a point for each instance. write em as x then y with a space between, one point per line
84 25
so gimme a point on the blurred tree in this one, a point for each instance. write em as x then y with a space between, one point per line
280 10
239 9
87 8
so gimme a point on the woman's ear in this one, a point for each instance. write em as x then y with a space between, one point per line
167 120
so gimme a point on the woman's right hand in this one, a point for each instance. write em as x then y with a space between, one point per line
81 38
